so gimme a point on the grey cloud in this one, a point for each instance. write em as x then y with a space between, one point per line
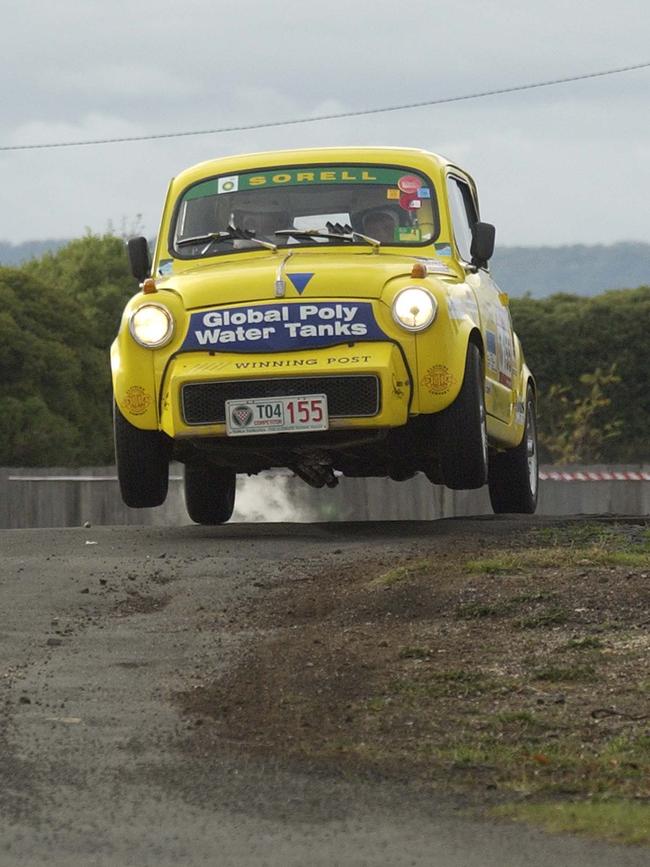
85 70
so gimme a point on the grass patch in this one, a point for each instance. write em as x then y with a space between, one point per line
535 596
618 821
506 562
438 684
587 642
636 559
537 757
577 534
521 719
506 607
401 574
513 562
546 617
617 535
478 610
565 674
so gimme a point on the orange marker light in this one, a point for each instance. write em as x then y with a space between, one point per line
419 270
149 286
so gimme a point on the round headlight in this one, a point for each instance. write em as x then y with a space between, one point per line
414 309
151 325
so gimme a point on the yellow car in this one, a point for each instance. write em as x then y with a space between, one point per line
329 311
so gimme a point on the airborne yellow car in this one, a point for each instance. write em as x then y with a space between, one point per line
329 311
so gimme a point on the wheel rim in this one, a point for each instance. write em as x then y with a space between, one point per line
531 449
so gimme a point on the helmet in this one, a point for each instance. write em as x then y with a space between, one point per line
379 222
261 222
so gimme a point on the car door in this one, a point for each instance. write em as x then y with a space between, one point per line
496 325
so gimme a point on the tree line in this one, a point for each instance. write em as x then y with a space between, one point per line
582 269
60 313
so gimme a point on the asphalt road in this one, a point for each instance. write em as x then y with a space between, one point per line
100 627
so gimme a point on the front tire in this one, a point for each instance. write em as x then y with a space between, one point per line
209 493
513 474
463 432
142 461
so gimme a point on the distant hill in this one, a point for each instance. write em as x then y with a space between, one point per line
16 254
578 269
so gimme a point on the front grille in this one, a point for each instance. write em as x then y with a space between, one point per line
204 402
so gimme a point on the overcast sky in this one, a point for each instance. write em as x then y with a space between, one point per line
558 165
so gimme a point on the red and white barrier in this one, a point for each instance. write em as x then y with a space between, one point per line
594 477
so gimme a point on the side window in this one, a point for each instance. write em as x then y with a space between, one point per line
463 215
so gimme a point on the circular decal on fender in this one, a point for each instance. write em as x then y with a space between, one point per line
136 400
438 379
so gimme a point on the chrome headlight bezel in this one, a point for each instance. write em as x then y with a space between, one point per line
426 298
154 344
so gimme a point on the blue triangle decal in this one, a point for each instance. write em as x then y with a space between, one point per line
300 281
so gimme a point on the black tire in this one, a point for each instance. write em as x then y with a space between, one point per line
142 460
209 493
463 433
513 474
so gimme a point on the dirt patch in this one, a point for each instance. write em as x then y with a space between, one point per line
138 603
517 668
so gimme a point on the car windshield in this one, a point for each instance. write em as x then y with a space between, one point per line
395 206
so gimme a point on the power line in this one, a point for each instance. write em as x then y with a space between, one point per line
336 116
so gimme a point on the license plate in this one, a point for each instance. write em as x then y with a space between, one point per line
267 415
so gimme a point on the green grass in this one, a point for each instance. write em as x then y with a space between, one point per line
566 674
547 617
618 821
617 536
587 642
438 684
401 573
636 555
535 596
479 610
519 719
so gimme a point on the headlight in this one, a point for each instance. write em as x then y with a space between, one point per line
151 326
414 309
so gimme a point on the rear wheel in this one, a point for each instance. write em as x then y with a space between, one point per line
513 474
209 493
142 460
463 433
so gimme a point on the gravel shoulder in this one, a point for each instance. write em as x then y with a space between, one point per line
155 684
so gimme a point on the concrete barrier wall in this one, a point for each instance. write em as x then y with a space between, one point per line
60 497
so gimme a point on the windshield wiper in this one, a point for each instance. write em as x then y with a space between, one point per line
301 234
232 233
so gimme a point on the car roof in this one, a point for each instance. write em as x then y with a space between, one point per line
415 158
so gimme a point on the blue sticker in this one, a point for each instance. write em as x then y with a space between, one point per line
424 193
278 327
165 266
300 281
491 340
443 249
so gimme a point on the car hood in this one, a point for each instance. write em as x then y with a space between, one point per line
358 274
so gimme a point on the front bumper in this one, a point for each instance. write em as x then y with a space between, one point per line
368 386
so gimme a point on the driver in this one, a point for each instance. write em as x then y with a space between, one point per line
262 223
381 224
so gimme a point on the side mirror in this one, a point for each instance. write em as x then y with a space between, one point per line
482 243
138 249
